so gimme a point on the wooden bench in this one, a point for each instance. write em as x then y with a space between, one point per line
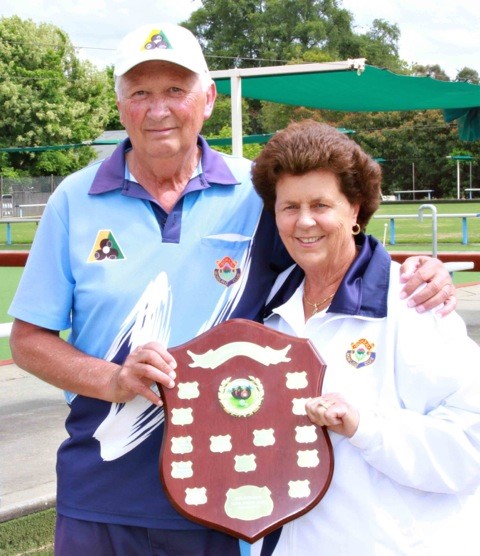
470 190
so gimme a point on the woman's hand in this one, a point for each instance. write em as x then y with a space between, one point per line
142 368
335 413
439 288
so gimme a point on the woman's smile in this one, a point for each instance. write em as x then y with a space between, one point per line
308 240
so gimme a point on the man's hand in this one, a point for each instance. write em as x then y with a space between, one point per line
439 288
145 366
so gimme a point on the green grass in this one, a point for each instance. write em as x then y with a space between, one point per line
410 235
9 278
32 534
413 235
22 234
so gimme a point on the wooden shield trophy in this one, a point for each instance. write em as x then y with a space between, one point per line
239 453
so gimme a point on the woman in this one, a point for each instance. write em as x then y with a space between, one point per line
401 394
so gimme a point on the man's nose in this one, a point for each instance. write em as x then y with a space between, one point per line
158 106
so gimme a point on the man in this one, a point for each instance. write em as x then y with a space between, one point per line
158 243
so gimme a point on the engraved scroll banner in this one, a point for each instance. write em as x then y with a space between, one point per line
239 453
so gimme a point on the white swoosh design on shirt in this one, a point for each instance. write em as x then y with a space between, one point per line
129 424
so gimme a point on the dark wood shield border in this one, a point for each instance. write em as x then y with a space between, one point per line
239 453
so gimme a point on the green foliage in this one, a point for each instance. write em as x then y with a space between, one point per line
434 71
379 45
469 75
248 32
250 150
113 121
222 116
414 146
48 95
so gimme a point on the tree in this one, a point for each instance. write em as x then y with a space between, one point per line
113 121
433 70
468 75
247 33
379 45
49 98
413 145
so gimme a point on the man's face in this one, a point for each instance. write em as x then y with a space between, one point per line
163 106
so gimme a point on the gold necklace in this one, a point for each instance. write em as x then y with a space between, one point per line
316 306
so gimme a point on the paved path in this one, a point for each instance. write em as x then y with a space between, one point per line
32 415
469 308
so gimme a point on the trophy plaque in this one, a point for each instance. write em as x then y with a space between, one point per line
239 453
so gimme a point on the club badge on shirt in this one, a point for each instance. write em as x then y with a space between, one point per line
105 248
361 354
227 272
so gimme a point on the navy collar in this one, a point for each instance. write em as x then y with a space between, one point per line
111 173
363 290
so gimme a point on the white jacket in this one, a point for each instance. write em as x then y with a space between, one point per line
406 482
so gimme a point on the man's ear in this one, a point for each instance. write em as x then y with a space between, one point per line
210 102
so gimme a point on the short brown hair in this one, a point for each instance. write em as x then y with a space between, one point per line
309 145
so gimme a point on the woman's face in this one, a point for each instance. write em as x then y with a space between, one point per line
315 220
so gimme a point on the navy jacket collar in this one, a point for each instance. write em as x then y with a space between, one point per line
363 290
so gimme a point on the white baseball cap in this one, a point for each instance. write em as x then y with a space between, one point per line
162 41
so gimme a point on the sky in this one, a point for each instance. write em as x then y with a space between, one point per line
432 31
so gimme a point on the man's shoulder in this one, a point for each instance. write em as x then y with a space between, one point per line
81 178
239 166
234 160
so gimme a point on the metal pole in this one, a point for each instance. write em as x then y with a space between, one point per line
236 100
413 179
433 208
458 179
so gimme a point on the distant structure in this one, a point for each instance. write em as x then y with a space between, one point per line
108 136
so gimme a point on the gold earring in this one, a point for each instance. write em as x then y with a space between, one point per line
356 229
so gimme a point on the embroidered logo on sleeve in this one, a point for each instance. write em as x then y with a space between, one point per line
105 248
361 354
227 272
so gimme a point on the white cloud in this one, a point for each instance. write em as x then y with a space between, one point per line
96 26
432 31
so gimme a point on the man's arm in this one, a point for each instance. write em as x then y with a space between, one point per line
439 288
44 354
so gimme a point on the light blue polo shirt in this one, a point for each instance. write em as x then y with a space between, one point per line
112 265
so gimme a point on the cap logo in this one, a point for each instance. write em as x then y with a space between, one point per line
156 39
